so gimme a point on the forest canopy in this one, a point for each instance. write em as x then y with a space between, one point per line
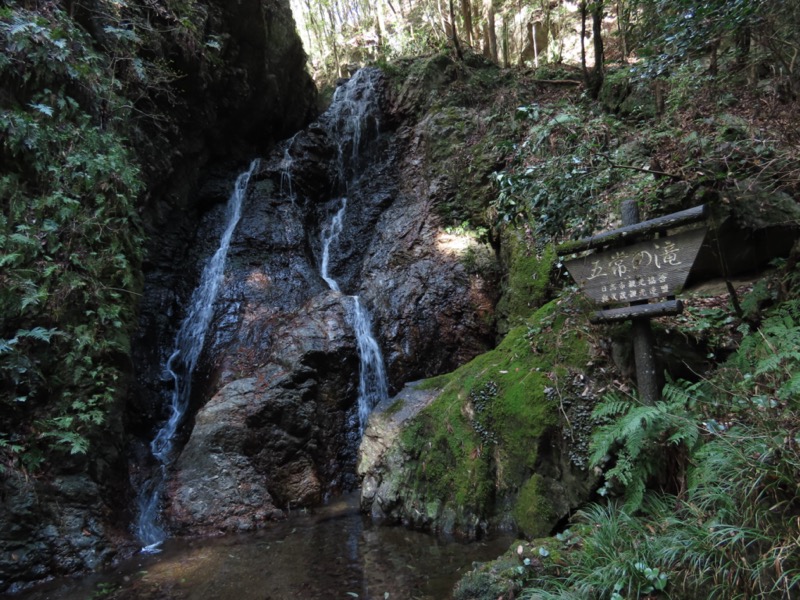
760 35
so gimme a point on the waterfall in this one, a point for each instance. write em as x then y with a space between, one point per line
354 110
180 368
372 383
286 170
353 113
329 234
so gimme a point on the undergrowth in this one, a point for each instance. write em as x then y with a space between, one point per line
727 523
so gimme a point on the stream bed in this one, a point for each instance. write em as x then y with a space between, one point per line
333 552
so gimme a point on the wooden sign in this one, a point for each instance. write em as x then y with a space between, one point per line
634 270
654 268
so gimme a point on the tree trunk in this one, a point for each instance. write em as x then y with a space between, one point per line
454 32
490 33
622 28
599 52
506 59
466 14
594 78
582 10
381 23
334 46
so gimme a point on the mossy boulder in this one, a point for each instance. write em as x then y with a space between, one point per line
491 448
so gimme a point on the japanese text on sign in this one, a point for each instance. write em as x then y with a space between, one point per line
651 269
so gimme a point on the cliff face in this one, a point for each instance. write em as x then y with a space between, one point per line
109 113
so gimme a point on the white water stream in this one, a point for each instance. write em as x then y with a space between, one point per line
372 383
180 368
354 110
286 170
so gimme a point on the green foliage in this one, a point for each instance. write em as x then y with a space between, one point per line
70 241
556 179
771 359
528 281
733 531
615 560
672 31
638 438
743 33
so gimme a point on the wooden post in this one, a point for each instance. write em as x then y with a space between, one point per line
643 341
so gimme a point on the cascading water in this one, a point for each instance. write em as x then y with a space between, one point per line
180 368
286 170
330 234
372 383
354 109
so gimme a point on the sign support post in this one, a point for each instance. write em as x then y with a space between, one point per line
643 340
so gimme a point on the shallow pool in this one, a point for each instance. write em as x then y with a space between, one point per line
332 552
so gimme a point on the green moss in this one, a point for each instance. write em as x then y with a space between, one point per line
395 407
435 383
528 280
480 437
483 585
533 512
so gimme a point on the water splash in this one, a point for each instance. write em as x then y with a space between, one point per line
180 368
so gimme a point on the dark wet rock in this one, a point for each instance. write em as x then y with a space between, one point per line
749 226
275 439
58 526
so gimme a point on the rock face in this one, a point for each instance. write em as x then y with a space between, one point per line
259 95
281 368
273 438
57 526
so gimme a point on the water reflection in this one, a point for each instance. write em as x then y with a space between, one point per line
332 553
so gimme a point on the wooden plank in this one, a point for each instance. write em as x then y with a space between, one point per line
630 233
662 309
650 269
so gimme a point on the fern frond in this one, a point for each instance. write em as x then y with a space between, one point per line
7 346
39 333
768 364
790 389
687 435
634 495
9 259
603 439
612 405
